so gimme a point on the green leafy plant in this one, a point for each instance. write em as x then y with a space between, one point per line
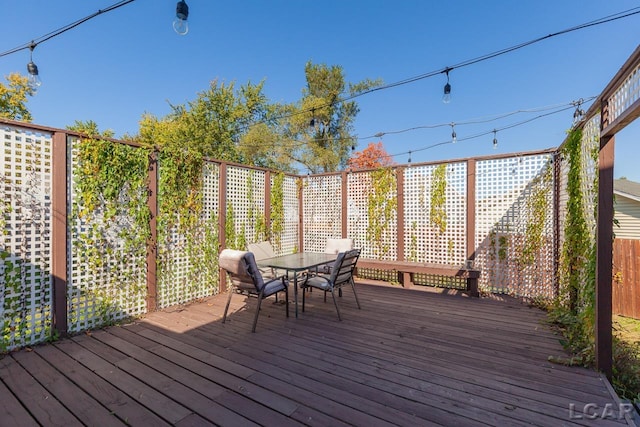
382 204
438 210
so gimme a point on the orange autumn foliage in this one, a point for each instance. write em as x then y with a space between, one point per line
372 157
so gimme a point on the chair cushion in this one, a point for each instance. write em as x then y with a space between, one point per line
273 286
334 246
318 282
242 268
261 250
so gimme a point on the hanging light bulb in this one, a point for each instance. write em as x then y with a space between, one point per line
180 24
409 161
578 114
32 69
446 97
312 122
495 140
454 137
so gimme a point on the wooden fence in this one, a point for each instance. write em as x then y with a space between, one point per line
626 278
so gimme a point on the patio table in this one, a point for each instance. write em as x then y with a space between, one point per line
296 263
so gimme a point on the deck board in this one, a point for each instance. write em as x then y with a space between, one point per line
408 358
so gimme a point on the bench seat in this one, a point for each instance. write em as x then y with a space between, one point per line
407 269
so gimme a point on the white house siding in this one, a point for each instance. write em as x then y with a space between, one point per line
627 212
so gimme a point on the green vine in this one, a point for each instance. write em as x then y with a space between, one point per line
438 211
381 208
538 208
277 210
111 199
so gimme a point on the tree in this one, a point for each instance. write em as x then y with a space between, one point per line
325 146
13 98
372 157
211 125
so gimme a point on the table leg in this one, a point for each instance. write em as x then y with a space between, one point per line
295 290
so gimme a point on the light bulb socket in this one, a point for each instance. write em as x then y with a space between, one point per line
447 89
182 10
32 68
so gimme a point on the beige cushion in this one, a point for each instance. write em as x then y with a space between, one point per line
335 246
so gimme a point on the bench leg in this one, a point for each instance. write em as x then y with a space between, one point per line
472 287
406 279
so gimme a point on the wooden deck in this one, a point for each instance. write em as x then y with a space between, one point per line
409 357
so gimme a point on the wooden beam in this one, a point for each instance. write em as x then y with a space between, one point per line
222 220
59 260
604 258
400 214
628 116
267 204
152 244
345 205
301 183
471 209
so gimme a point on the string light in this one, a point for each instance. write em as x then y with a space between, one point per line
32 69
409 161
312 122
446 97
495 140
180 24
454 137
578 113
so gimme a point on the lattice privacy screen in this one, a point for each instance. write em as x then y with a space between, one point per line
514 225
322 199
625 95
246 221
435 211
289 237
107 278
25 243
188 258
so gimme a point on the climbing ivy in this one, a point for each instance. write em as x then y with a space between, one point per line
437 210
277 210
382 203
574 309
538 209
111 190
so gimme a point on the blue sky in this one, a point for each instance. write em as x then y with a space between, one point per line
124 63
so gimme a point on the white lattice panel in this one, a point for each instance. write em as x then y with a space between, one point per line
590 144
188 264
245 197
107 279
322 197
25 243
423 240
289 238
625 95
505 189
359 190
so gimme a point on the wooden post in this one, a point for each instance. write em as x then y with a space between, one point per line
604 253
222 220
556 222
405 278
59 209
267 205
300 214
471 209
152 244
345 206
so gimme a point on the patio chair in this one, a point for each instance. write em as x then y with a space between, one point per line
264 250
246 278
335 246
341 275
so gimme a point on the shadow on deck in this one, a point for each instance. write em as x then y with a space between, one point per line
409 357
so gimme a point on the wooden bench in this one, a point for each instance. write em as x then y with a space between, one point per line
406 270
